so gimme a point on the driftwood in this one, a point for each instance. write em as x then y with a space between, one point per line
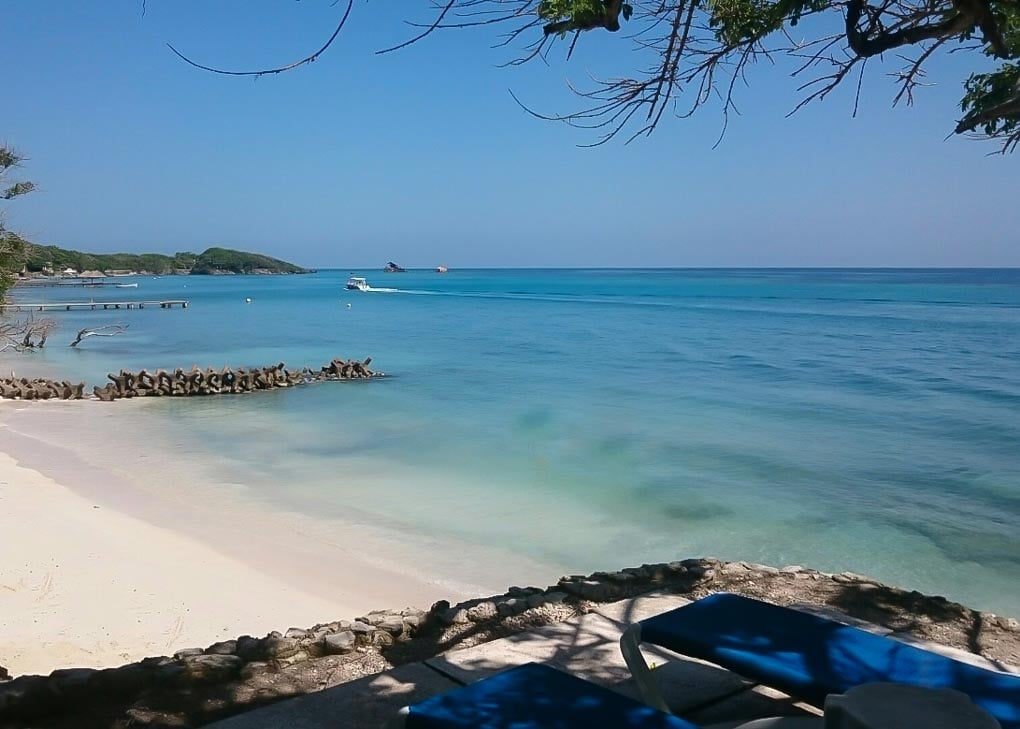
25 335
110 330
198 382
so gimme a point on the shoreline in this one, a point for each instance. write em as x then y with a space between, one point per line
229 489
104 571
88 585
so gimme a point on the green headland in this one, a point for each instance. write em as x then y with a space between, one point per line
49 260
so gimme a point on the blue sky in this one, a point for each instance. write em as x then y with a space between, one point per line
422 157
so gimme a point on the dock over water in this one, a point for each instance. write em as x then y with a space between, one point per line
90 305
55 284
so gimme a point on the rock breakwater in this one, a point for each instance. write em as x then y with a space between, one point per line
40 389
186 383
181 383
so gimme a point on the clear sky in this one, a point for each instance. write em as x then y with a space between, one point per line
422 157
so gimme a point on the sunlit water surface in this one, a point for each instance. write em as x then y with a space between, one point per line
591 419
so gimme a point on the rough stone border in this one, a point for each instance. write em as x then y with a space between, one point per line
411 634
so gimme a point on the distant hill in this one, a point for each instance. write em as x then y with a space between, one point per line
213 261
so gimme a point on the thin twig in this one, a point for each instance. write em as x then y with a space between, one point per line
281 69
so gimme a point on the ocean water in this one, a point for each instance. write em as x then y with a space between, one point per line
864 420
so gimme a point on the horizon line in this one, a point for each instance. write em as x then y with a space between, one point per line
674 268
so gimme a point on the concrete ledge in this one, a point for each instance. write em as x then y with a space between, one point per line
589 647
757 703
642 607
367 702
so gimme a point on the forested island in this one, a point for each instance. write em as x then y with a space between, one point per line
53 260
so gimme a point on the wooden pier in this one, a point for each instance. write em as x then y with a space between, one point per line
53 284
91 305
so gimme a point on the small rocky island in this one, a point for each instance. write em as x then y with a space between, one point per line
56 261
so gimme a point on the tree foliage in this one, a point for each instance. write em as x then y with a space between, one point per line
225 260
699 49
12 246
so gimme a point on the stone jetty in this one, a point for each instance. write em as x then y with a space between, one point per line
186 383
40 389
226 381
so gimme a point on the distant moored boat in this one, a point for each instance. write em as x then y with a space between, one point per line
441 269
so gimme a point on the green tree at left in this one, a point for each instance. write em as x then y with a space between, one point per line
12 246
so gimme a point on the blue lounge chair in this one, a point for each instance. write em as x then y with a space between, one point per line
533 696
806 656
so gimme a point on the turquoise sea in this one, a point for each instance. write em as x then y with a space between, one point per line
864 420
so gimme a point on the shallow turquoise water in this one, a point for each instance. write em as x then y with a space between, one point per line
861 420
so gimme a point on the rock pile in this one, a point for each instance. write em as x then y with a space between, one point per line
184 383
40 389
30 697
338 369
574 589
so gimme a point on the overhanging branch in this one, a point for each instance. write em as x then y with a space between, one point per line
1006 109
267 71
866 46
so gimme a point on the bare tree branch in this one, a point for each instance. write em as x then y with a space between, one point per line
427 31
264 72
910 78
866 46
701 48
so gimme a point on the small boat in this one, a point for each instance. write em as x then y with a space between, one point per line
441 269
354 283
126 286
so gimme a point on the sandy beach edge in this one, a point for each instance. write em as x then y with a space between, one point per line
98 573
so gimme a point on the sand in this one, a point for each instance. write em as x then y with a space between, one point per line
82 585
98 571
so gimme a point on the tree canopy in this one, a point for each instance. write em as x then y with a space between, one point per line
12 246
699 49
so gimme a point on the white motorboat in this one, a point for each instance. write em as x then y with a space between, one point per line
355 283
127 286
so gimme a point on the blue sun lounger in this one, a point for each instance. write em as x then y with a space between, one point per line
806 656
534 696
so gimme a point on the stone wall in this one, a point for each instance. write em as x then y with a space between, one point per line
206 684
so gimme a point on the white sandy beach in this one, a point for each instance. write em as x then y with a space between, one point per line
86 585
98 571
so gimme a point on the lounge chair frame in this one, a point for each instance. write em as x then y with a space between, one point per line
860 657
648 686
